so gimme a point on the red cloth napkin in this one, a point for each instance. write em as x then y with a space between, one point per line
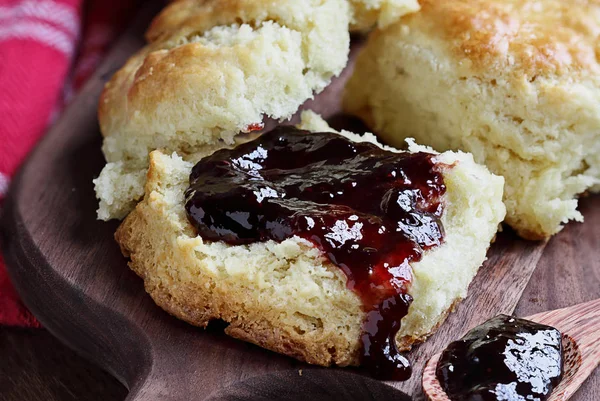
48 48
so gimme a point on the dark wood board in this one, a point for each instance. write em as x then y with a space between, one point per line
35 366
69 271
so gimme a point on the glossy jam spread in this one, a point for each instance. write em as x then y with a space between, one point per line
504 359
370 211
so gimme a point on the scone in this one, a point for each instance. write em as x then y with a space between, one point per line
215 68
211 70
288 295
514 82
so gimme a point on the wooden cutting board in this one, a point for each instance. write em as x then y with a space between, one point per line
70 273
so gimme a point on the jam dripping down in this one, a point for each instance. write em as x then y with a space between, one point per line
370 211
506 359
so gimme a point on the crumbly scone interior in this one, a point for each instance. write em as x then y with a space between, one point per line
515 83
287 296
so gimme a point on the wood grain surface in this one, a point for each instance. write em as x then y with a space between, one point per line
580 325
69 271
568 273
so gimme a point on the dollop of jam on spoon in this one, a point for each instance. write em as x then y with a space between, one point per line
504 359
370 211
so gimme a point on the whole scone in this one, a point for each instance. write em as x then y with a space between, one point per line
287 296
514 82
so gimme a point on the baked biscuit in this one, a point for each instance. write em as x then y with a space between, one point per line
211 70
514 82
286 296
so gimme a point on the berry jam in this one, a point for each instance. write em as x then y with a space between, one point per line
504 359
370 211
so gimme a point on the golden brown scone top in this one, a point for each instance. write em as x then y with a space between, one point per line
547 36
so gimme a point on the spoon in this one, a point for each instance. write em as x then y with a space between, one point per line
580 327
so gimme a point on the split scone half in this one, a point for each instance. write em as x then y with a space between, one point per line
215 68
514 82
288 296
